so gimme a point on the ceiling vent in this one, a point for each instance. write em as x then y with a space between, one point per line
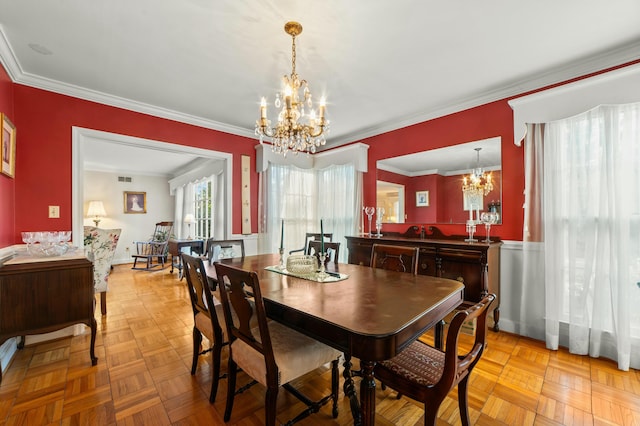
124 179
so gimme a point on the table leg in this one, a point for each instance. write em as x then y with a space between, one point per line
368 393
350 391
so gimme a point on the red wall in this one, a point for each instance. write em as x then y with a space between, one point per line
43 154
43 164
7 185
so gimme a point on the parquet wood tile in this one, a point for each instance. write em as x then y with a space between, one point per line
143 377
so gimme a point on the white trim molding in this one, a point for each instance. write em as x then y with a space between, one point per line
620 86
355 153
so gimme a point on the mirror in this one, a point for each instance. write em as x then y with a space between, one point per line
426 187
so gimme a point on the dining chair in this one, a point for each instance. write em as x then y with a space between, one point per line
402 259
427 374
332 249
310 236
208 318
223 249
271 353
395 258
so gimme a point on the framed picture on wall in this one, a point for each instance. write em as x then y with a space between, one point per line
422 198
135 202
8 148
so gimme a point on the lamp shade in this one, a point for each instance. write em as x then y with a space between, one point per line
96 208
189 218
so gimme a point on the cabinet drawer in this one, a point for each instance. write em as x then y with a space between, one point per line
461 255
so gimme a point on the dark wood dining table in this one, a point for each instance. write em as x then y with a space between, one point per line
371 315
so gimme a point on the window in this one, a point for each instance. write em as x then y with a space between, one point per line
301 197
203 205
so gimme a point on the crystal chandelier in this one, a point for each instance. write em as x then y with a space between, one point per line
296 130
477 184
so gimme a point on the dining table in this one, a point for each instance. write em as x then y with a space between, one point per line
367 313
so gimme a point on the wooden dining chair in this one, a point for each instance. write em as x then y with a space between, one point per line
427 374
402 259
395 258
208 319
310 236
271 353
223 249
332 249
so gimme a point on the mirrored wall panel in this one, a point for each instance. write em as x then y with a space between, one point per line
440 186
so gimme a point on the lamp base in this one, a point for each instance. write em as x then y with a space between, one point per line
96 221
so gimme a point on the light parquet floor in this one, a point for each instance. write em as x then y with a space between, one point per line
143 376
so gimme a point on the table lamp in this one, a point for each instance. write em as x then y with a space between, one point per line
96 209
189 219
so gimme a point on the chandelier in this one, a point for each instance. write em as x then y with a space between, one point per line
297 130
478 183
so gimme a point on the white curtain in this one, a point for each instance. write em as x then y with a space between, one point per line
585 223
300 198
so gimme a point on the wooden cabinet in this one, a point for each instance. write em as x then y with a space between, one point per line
41 295
477 265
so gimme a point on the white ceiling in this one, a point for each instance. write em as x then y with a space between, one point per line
381 65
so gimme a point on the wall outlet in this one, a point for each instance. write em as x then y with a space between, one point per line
54 212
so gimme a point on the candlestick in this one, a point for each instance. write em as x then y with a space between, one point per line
282 235
321 237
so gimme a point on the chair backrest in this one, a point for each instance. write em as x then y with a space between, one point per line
395 258
162 232
332 249
311 236
101 244
457 367
243 305
201 297
223 249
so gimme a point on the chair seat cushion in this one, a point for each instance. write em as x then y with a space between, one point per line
419 363
295 354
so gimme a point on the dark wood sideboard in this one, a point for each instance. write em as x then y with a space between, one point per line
477 265
41 295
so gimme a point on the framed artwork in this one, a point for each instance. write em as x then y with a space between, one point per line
422 198
135 202
8 153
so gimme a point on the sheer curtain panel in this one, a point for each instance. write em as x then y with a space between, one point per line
301 197
583 213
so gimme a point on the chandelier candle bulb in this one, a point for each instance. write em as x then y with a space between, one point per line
263 109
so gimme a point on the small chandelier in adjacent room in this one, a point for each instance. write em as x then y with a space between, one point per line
297 130
478 183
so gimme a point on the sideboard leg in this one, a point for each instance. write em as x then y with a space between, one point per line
92 350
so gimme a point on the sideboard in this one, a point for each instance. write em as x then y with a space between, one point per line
476 264
41 295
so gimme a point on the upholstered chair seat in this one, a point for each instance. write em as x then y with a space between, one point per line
295 354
